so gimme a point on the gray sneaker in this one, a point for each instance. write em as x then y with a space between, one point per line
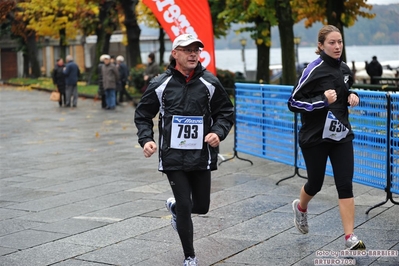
170 206
353 243
300 218
190 262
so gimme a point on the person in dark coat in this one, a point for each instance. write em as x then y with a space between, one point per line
59 80
151 70
374 69
101 92
110 78
123 78
72 73
322 96
195 115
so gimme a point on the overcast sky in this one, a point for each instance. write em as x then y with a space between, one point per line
382 2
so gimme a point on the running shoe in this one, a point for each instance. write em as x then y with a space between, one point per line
170 206
353 243
300 218
191 262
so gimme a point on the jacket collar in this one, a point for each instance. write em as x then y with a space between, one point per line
329 60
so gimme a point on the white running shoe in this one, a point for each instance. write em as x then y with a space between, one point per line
170 206
353 243
300 218
190 262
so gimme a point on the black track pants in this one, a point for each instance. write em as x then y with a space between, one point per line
192 193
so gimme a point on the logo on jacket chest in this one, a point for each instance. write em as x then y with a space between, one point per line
346 79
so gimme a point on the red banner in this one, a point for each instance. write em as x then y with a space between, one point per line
183 16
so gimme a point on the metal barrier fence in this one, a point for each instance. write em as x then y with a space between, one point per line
266 128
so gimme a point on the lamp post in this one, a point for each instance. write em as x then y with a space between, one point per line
243 42
297 41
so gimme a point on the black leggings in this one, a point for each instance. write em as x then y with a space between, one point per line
342 162
192 191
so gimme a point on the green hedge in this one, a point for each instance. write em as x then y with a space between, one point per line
226 77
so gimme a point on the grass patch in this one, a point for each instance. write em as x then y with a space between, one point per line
47 83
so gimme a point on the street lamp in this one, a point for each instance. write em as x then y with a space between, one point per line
243 42
297 41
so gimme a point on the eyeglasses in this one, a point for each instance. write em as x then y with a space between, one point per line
189 51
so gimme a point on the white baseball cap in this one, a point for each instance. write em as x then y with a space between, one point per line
185 40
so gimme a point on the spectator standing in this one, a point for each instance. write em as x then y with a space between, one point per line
123 78
151 70
322 97
110 77
195 115
117 89
374 69
72 74
101 91
59 80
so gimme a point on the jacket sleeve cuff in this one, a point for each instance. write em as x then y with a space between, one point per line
325 101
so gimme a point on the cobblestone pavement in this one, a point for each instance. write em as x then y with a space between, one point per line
76 190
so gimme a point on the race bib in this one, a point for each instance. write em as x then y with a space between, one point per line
333 129
187 132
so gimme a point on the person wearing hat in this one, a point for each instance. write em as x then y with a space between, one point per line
195 115
110 77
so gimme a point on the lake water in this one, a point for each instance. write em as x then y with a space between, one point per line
232 60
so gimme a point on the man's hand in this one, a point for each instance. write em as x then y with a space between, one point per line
149 149
212 139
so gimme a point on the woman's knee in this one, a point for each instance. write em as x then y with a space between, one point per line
312 190
345 190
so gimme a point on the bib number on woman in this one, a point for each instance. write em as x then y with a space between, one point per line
187 132
333 129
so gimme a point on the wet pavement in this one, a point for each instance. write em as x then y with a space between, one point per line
76 190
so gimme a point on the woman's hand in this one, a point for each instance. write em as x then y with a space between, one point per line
353 100
331 96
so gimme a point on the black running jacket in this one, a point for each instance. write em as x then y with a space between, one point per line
308 98
169 94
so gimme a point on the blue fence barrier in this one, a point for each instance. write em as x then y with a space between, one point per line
394 142
263 122
266 128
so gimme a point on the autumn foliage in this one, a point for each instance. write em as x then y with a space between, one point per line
312 11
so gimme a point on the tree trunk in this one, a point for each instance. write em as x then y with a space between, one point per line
263 54
133 32
335 8
106 43
101 37
63 44
26 65
262 68
161 46
285 27
32 53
